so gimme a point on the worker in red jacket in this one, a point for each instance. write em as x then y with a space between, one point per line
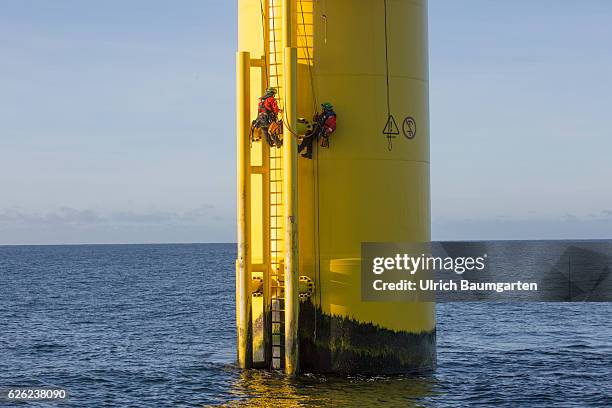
267 115
268 104
324 126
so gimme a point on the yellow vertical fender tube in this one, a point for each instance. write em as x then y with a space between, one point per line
291 196
366 192
243 264
291 229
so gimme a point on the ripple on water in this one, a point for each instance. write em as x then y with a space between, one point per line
153 325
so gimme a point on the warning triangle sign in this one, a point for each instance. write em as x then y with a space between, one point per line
391 128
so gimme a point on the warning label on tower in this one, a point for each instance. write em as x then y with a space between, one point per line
391 128
409 127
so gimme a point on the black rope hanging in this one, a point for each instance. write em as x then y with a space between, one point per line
390 120
263 29
310 61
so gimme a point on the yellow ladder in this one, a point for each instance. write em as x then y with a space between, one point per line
274 51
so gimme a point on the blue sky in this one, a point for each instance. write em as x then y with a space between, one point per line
116 118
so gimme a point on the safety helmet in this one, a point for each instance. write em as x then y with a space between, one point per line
327 106
271 90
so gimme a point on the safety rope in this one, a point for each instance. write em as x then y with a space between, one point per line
315 199
274 39
293 132
286 122
310 61
314 169
389 136
310 72
318 254
263 29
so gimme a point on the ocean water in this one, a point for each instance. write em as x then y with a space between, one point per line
154 325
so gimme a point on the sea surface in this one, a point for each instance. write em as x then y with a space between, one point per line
154 326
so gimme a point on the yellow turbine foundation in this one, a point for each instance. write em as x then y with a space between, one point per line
309 217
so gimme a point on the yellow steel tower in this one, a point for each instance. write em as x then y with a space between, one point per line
301 222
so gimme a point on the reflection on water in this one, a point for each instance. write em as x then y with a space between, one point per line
256 388
489 354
